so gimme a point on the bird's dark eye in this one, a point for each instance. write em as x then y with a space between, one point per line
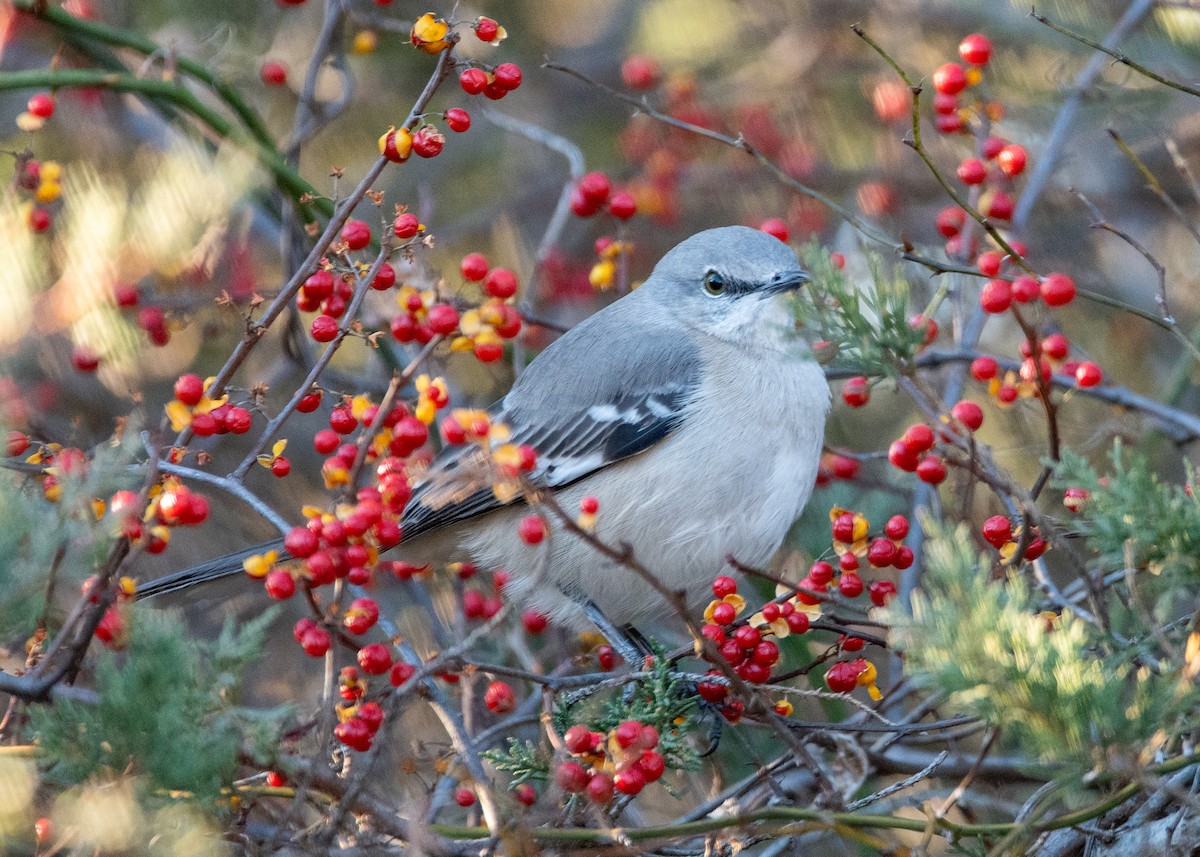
714 283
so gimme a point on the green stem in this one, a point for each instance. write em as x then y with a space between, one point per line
287 178
110 35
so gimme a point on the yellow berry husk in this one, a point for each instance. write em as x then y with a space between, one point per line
365 42
48 191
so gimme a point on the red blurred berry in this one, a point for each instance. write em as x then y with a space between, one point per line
972 171
640 72
856 391
996 296
1057 289
273 73
1088 374
975 49
968 413
950 79
1012 159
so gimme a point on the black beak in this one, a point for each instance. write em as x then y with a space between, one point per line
787 281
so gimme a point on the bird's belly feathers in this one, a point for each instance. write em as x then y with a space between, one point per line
730 482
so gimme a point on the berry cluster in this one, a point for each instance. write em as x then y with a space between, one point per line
625 760
999 532
42 180
593 193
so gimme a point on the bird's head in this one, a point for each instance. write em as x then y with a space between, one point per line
731 283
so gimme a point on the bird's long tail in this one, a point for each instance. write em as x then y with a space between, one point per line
215 569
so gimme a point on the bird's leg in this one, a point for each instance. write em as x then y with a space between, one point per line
629 649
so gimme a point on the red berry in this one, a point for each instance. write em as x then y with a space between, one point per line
972 171
532 529
443 319
525 794
992 147
997 530
39 220
975 49
918 437
989 263
400 673
948 123
428 142
474 267
896 528
1088 374
724 613
500 283
945 105
1001 206
280 584
1012 159
630 781
356 234
571 777
473 81
385 278
595 188
41 105
125 295
724 585
984 368
931 470
499 698
508 76
1025 289
325 441
969 414
324 328
1057 289
950 79
843 527
354 733
842 677
640 72
820 573
996 296
622 205
881 591
589 505
314 640
405 226
950 221
856 391
902 456
84 359
881 553
850 585
464 797
851 644
361 616
774 226
486 29
273 73
375 659
458 120
600 788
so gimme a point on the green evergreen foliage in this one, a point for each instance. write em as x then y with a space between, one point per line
63 537
1132 517
1051 682
865 322
165 711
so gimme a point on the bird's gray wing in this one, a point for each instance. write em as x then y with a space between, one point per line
610 388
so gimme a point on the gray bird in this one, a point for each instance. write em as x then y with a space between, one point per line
689 408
